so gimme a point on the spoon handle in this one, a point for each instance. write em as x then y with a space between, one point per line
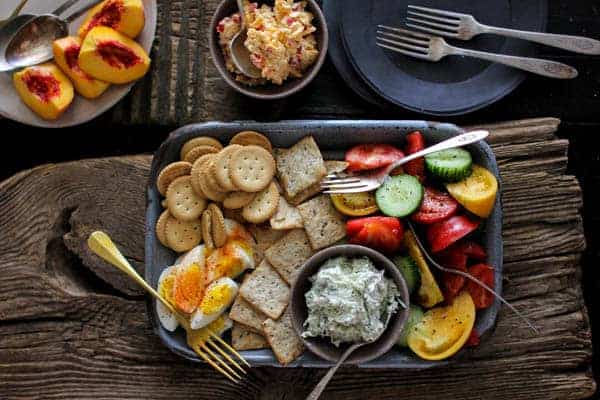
240 4
81 10
316 393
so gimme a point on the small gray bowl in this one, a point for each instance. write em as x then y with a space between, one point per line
323 347
268 91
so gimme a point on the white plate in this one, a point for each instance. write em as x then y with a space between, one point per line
82 109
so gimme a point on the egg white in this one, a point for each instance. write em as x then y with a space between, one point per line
199 318
166 318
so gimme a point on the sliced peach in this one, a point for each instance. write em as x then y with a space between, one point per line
66 54
45 89
125 16
112 57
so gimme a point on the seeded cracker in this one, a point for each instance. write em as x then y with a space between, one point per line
300 166
289 253
323 223
266 291
282 338
286 216
331 167
243 313
244 339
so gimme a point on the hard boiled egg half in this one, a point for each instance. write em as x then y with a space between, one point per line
218 297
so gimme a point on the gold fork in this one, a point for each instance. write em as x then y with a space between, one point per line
203 341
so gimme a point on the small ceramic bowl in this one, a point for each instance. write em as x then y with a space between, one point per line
269 91
323 347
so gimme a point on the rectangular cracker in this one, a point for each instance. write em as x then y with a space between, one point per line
286 217
264 236
245 339
324 225
300 166
282 338
266 291
331 167
289 253
243 313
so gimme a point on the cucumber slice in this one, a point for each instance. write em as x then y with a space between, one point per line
409 270
450 165
415 315
399 196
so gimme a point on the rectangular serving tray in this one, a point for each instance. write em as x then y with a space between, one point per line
333 137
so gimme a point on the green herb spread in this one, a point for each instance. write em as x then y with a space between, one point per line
349 301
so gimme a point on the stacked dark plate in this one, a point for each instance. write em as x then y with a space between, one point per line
452 86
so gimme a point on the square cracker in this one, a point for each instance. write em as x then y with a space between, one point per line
265 236
245 339
331 167
282 338
243 313
289 253
300 166
266 291
323 223
286 217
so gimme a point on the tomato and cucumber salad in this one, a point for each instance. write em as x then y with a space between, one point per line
446 196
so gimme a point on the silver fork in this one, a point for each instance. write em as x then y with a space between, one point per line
371 180
465 26
434 48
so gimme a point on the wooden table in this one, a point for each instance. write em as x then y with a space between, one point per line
70 327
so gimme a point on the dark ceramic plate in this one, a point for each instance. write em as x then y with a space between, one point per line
333 137
454 85
337 55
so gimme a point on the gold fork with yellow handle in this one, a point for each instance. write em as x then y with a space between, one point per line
203 341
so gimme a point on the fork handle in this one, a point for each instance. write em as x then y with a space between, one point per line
577 44
550 69
457 141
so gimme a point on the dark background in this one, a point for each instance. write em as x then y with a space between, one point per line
576 102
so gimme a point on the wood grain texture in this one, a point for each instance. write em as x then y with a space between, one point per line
71 328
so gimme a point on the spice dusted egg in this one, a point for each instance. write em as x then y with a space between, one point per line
218 297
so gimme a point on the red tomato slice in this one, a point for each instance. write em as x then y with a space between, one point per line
371 156
472 250
473 339
442 234
414 143
380 233
436 206
453 258
481 297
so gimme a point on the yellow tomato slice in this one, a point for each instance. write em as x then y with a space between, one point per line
477 193
444 330
355 204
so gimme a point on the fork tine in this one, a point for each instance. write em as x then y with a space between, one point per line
404 45
228 347
423 43
434 18
433 31
214 365
450 29
342 180
437 11
219 360
343 187
342 191
402 51
225 355
406 32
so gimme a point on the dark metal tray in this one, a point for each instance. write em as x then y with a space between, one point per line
333 137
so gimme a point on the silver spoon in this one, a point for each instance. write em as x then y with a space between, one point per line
239 53
30 42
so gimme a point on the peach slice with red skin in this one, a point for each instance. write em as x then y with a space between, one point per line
112 57
124 16
44 89
66 54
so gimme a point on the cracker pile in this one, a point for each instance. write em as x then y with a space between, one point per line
275 194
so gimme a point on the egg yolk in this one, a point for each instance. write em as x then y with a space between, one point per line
165 289
188 288
215 298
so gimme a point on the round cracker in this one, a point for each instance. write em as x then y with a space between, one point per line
181 235
263 206
217 221
163 203
221 166
198 151
208 183
160 228
197 172
237 200
206 227
247 138
252 168
182 201
199 141
170 173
